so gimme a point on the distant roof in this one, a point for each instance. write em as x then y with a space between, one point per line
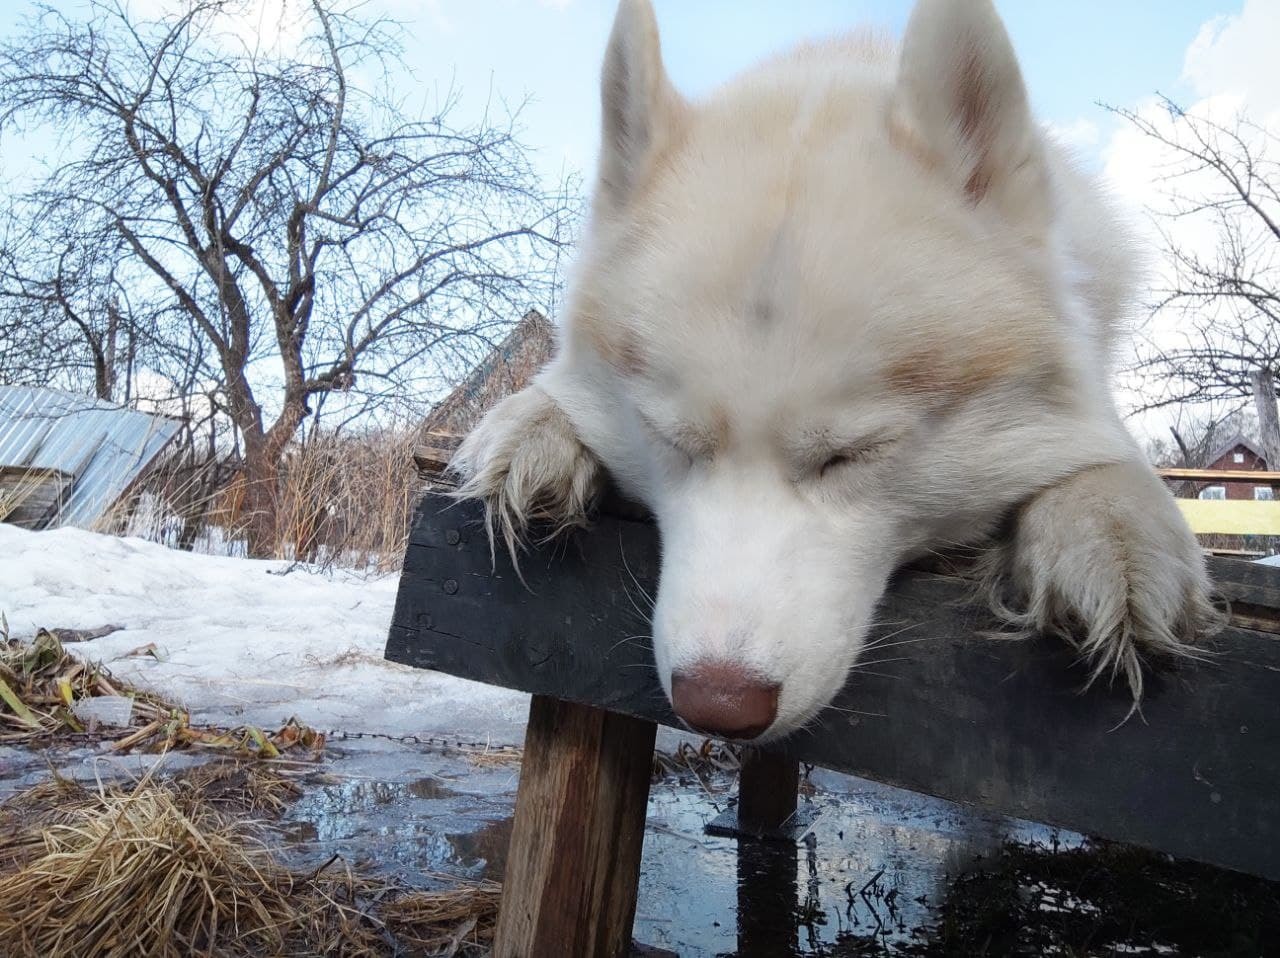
507 368
1239 439
100 448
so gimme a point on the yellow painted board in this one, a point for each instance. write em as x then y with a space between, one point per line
1241 517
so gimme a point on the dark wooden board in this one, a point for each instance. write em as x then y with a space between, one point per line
995 724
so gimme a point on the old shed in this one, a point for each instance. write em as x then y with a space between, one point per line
65 459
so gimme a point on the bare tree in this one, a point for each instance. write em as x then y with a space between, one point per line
303 235
1224 180
66 315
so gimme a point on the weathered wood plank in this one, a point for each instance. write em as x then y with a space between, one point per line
574 862
996 724
1258 476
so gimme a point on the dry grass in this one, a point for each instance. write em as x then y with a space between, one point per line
349 499
171 869
498 756
154 871
343 499
702 761
457 921
41 685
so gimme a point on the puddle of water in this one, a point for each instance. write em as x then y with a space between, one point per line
879 870
874 866
411 829
452 820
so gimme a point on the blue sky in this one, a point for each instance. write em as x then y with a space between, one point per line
549 52
1073 54
1201 52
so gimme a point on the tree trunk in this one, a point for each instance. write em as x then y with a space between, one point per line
263 452
261 489
1264 399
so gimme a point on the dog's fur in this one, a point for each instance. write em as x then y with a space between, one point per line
849 309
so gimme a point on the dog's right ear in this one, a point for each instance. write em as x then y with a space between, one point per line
639 103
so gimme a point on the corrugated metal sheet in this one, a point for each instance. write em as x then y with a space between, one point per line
103 446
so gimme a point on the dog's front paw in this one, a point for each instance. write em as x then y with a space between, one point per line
1106 561
526 462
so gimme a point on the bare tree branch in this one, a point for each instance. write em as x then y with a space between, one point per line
285 233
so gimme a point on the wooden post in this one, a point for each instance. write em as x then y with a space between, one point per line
574 864
768 786
768 790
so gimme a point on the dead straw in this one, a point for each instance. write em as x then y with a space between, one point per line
166 868
41 685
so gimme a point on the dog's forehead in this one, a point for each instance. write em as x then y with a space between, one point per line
812 254
797 308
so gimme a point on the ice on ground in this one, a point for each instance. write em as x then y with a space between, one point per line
242 640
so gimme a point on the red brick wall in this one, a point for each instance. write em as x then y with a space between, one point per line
1238 490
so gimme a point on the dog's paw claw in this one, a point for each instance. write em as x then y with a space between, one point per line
1106 561
526 463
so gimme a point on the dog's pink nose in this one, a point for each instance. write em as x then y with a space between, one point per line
723 698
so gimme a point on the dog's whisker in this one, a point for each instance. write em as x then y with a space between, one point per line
901 658
837 708
629 638
890 645
895 633
627 565
645 616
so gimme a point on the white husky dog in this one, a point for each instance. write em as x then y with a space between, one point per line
851 308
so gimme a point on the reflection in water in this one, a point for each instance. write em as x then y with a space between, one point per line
872 868
879 871
412 829
484 849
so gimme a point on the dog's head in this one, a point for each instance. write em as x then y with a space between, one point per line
823 322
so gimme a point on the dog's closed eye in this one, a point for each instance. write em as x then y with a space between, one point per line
856 454
687 442
835 462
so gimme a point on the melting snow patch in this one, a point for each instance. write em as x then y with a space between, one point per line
241 640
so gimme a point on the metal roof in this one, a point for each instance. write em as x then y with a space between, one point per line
104 447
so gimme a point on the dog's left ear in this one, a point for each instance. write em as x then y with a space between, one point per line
960 97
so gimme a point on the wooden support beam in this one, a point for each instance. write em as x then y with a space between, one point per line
768 787
768 799
574 864
1257 476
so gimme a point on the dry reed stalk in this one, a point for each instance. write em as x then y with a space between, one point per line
164 869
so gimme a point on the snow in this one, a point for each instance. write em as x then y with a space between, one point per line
242 640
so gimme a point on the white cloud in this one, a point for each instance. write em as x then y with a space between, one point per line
1231 69
1236 55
